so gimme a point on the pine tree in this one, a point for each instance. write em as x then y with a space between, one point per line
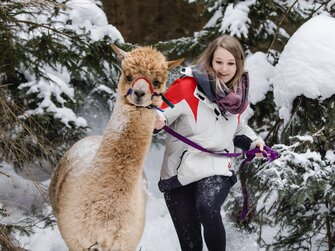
49 69
35 47
259 25
295 195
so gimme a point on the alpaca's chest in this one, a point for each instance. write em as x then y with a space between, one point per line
115 204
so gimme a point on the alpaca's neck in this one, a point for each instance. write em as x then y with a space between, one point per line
125 144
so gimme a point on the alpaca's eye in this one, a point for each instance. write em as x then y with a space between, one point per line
129 78
156 83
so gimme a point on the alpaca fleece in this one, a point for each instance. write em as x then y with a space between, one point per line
97 190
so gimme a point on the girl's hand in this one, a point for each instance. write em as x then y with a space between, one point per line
260 145
160 122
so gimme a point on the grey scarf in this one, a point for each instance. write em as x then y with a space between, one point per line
234 102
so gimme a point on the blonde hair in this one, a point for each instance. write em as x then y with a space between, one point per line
232 45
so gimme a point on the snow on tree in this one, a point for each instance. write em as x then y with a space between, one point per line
260 25
295 195
53 57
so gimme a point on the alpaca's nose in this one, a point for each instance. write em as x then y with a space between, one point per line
139 93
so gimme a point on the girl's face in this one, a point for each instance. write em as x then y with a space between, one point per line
224 64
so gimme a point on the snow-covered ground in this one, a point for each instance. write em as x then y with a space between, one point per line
159 233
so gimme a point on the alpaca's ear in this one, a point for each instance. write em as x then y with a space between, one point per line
174 63
121 54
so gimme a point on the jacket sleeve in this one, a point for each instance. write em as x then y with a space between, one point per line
246 138
176 97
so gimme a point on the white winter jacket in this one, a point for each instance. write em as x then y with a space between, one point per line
197 118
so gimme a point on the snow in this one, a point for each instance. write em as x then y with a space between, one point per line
267 201
18 195
158 232
104 88
306 66
304 138
300 69
330 156
86 16
44 240
53 87
260 72
235 20
212 21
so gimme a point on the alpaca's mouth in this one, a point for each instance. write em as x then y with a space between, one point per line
142 93
140 101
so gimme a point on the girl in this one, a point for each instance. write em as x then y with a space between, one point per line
208 101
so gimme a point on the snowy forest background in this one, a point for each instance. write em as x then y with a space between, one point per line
58 77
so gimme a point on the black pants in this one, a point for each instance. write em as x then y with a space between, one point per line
197 204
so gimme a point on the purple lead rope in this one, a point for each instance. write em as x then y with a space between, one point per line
268 153
196 146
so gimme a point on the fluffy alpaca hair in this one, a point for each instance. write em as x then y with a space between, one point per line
96 191
145 61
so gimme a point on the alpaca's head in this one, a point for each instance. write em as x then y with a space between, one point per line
144 75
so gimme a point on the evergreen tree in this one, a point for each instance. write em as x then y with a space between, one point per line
303 178
295 195
50 67
259 25
38 44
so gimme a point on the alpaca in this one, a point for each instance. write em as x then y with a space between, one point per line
97 191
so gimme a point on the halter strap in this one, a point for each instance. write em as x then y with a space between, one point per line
152 90
148 82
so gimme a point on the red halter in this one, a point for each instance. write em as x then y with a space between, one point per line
153 93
